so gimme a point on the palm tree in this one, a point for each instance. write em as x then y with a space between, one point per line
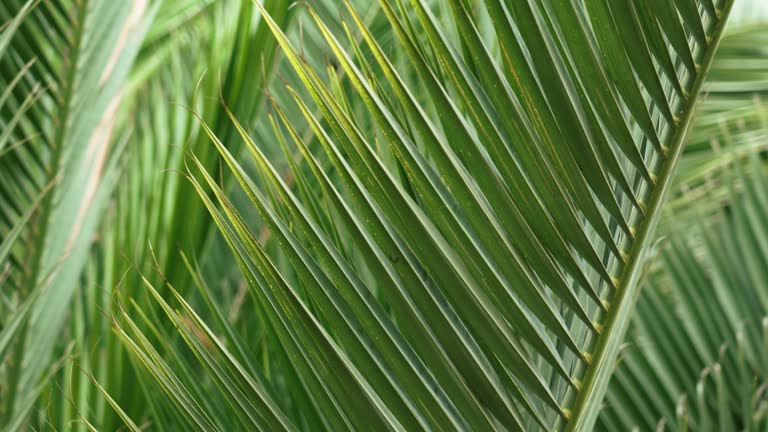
452 238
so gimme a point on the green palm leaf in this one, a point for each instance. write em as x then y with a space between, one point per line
532 156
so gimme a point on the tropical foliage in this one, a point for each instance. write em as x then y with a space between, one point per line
405 215
694 357
697 356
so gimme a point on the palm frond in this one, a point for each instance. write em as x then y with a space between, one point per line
507 234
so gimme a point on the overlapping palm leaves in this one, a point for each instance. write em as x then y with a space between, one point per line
154 216
453 239
151 198
63 63
491 264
